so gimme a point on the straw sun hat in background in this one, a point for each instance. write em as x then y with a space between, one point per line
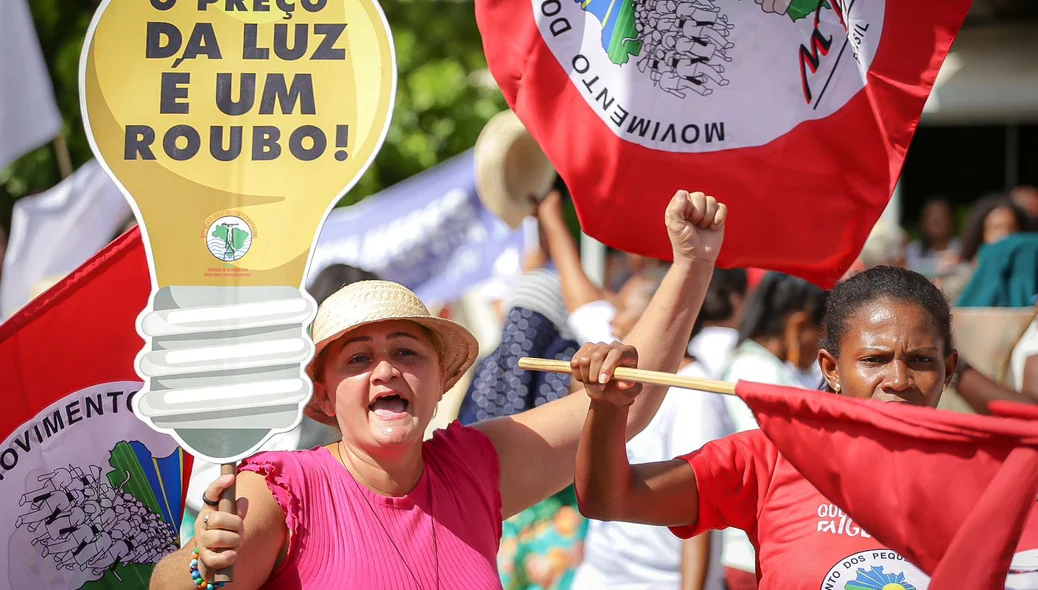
512 172
369 302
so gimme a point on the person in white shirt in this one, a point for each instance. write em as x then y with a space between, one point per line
717 327
623 555
632 556
780 330
627 556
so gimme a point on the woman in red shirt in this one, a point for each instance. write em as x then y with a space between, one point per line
886 336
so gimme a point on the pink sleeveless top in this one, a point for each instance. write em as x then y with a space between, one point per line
343 535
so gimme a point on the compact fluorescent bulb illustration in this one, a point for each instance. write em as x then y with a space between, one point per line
232 134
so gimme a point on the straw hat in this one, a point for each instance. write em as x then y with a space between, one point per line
510 169
369 302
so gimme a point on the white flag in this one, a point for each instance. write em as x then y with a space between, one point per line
52 233
28 115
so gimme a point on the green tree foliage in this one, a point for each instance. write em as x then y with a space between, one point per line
443 97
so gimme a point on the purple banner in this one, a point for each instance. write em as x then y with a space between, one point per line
430 233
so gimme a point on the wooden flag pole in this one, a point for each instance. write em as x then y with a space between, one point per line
635 376
227 504
62 153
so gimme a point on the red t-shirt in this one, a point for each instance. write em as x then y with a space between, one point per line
802 540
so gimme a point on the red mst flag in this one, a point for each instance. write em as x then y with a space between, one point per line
950 492
93 496
795 113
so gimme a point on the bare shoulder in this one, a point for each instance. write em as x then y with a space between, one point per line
265 514
253 485
267 542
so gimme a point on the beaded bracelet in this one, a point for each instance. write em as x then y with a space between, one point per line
196 576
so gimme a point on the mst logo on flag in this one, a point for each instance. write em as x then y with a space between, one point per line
685 75
91 497
88 508
796 113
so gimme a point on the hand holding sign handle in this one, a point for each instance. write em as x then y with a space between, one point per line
227 505
219 532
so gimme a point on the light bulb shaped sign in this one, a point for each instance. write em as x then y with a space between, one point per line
233 127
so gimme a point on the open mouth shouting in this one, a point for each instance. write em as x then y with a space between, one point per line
389 405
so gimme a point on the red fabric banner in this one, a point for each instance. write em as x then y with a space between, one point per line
95 497
795 113
950 492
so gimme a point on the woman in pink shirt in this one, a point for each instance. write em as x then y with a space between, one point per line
381 509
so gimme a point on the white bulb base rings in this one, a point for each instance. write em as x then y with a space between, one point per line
223 367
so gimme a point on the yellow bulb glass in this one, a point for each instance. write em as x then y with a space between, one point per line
233 127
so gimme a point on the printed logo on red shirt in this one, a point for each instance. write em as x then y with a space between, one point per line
833 520
876 569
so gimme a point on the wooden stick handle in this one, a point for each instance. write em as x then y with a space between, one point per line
635 376
227 504
62 153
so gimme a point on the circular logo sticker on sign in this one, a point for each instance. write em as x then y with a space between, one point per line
709 75
229 238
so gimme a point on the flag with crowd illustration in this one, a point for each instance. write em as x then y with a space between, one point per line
92 498
797 114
